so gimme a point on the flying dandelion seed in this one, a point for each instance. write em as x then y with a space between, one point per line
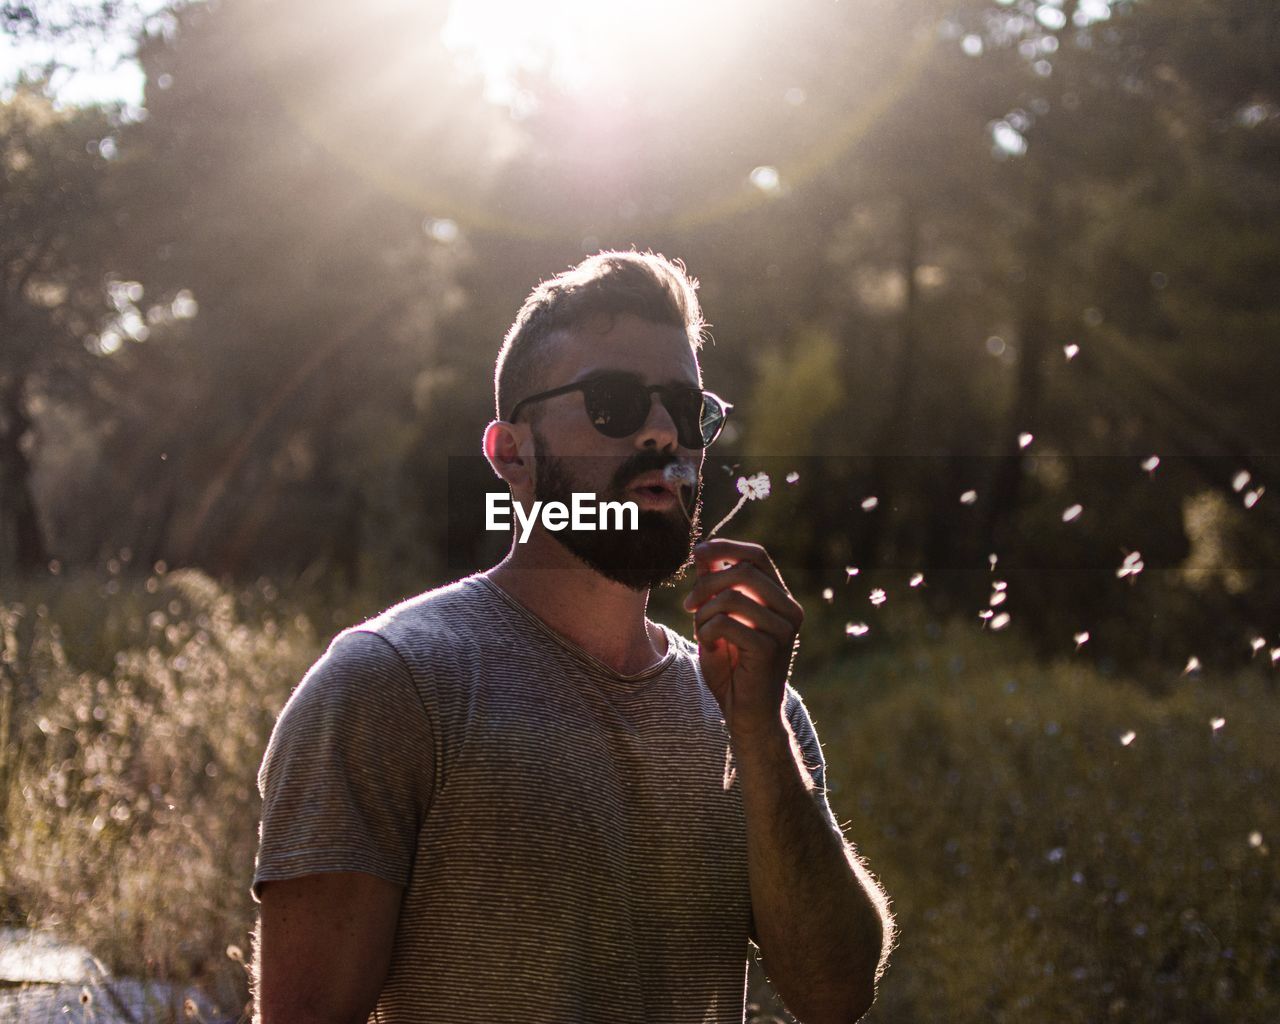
969 498
856 629
1217 723
1193 666
850 571
1072 513
1000 621
792 477
878 597
1150 463
1081 638
1241 480
997 598
1070 351
1131 566
999 585
870 503
1128 738
828 594
1251 498
1275 655
916 580
985 615
1256 644
1255 839
991 561
1025 439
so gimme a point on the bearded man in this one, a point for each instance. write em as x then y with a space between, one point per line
516 798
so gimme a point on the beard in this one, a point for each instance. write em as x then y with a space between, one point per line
657 553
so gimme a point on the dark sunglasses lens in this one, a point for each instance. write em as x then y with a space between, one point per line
712 420
687 411
616 407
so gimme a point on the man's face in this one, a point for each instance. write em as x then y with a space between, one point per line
571 455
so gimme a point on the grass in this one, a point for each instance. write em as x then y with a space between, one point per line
1040 868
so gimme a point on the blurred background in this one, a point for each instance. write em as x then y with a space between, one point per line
994 287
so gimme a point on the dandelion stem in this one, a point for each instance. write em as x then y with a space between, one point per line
732 512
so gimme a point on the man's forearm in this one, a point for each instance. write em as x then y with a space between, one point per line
820 919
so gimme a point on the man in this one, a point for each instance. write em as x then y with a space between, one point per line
516 798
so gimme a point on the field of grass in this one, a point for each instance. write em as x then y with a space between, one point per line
1059 845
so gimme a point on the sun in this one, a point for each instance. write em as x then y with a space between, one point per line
593 50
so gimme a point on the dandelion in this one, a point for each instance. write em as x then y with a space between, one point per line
750 488
1128 738
1217 723
1025 439
969 498
999 585
998 598
870 503
1241 480
1255 839
792 477
916 580
1000 621
1193 666
1072 513
878 597
1275 655
850 571
1081 638
856 629
1150 463
1251 498
828 594
1256 644
992 559
985 615
1070 351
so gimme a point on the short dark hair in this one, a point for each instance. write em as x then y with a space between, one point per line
610 284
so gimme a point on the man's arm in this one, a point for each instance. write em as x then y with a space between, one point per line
323 948
820 919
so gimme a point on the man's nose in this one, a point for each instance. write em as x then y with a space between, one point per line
659 430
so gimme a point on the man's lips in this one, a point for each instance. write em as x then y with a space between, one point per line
655 485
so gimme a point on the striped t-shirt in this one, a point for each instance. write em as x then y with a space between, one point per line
570 840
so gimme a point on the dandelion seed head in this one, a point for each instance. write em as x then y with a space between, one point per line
856 629
999 585
969 498
998 598
1193 666
828 594
1070 351
1025 439
792 477
681 474
1127 738
1072 513
850 571
870 503
754 487
1150 463
878 597
916 580
1251 498
1000 621
985 614
1131 566
1080 638
992 559
1256 644
1217 723
1241 480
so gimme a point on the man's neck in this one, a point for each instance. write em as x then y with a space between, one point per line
604 618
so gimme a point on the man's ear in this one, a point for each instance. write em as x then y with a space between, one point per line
502 447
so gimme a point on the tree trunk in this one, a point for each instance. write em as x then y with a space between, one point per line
22 544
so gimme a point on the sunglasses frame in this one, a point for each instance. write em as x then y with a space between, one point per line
665 392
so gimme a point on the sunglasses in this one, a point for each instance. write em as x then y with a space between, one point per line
618 405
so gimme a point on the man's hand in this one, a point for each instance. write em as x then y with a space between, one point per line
746 622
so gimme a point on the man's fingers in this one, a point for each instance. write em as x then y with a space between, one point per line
749 613
724 627
712 555
746 578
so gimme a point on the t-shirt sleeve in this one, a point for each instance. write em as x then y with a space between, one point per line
807 739
349 770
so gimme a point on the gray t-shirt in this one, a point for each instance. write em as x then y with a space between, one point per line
571 840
